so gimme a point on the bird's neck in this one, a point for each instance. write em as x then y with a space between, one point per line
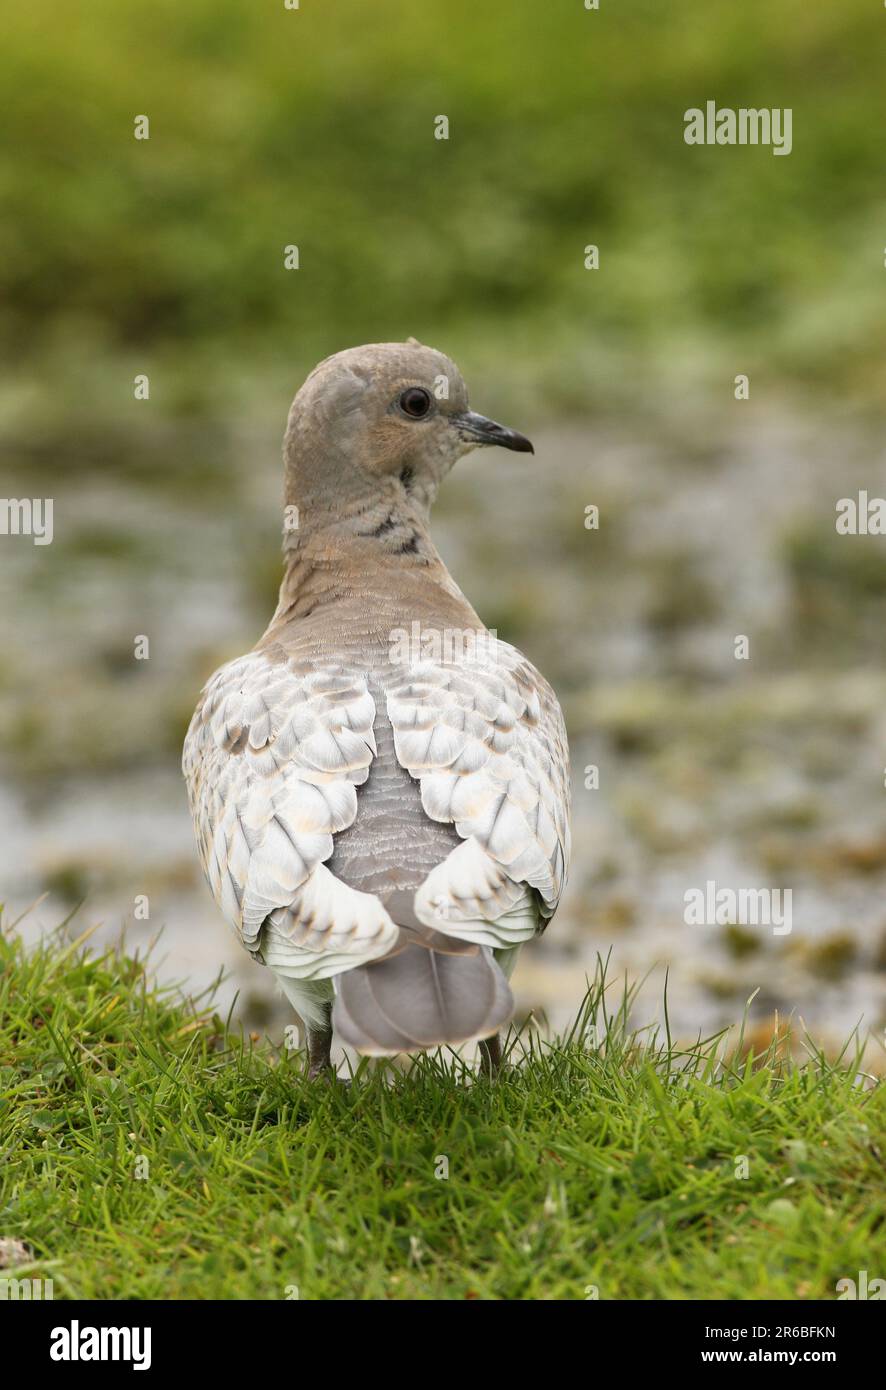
378 553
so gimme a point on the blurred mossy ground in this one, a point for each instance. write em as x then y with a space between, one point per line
315 127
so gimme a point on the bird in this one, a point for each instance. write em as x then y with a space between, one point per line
380 788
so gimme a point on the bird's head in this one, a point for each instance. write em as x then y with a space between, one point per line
382 415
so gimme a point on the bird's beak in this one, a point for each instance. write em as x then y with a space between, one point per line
479 430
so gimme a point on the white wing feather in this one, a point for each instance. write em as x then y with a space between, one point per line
272 760
486 741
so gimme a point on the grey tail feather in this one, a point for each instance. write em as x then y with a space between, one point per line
421 998
412 931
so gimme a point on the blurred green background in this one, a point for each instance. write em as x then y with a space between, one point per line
315 127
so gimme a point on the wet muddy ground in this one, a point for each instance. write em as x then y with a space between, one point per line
764 773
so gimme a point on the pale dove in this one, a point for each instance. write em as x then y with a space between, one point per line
380 788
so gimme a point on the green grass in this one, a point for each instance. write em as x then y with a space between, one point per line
607 1159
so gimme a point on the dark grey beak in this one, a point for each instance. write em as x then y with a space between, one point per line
479 430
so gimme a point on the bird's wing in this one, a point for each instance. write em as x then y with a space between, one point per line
272 760
486 741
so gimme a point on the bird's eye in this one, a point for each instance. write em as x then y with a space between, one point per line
415 402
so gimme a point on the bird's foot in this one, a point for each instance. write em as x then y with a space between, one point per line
326 1073
492 1063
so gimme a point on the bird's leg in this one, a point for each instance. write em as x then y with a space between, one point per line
490 1056
320 1046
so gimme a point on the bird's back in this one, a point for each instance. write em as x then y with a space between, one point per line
393 844
380 789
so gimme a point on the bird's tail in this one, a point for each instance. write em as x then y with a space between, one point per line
421 998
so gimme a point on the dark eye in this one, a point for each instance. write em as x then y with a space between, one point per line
415 402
